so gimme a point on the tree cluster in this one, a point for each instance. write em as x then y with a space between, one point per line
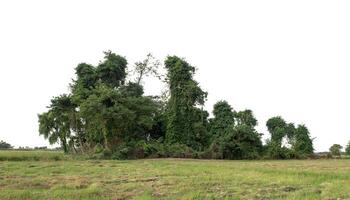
5 145
287 140
107 114
336 150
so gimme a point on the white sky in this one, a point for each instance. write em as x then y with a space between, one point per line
288 58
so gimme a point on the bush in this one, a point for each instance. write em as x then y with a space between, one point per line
213 152
275 151
121 152
153 149
179 151
98 148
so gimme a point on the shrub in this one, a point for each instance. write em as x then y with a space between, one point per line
179 151
213 152
98 148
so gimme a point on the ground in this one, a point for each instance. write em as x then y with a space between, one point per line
50 175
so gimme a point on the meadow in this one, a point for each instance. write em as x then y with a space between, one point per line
53 175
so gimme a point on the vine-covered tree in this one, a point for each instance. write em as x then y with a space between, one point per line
107 114
246 117
234 133
277 129
101 109
303 143
112 71
224 118
185 95
299 143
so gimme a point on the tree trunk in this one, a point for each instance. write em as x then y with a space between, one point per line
64 144
105 138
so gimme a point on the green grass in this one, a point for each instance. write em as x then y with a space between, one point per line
67 178
31 155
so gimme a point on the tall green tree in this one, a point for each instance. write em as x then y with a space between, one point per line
247 137
185 95
101 110
299 143
234 133
246 117
241 142
303 143
86 75
56 124
114 116
278 129
112 70
201 137
86 78
224 118
347 149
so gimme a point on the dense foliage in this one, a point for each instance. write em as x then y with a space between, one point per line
347 149
5 145
287 141
106 114
185 122
335 149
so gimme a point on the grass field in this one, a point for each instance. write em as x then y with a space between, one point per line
51 175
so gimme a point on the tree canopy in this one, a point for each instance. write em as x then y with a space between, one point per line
347 149
107 114
298 140
185 95
5 145
335 149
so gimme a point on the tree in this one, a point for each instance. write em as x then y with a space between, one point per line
234 133
112 71
117 116
303 143
287 141
347 149
185 95
86 75
241 142
102 109
224 118
132 89
56 124
247 138
5 145
201 138
277 128
148 66
105 114
335 149
246 117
